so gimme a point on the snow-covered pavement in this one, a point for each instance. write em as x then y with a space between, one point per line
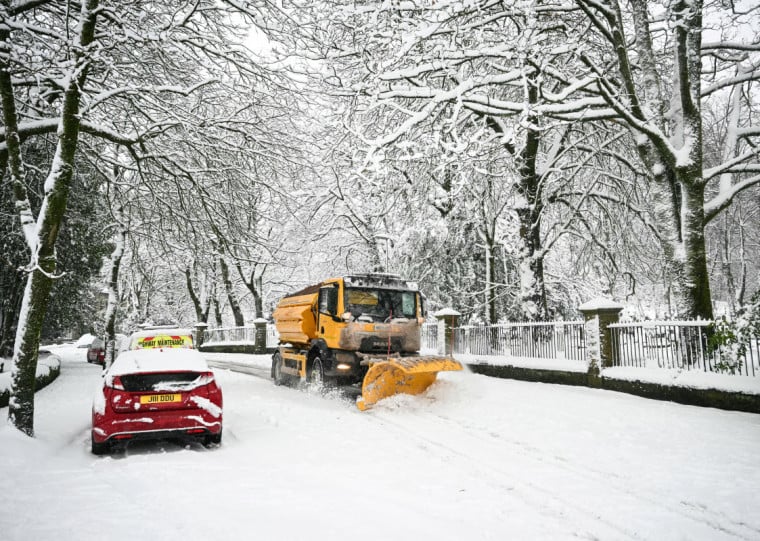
474 458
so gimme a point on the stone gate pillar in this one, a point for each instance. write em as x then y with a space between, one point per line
598 315
448 319
198 330
260 339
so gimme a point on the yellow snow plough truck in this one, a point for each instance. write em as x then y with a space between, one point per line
359 329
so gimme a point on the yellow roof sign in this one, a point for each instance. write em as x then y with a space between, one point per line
164 341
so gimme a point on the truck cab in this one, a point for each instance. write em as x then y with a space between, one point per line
342 320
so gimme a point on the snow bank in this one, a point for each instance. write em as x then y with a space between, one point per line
45 365
692 379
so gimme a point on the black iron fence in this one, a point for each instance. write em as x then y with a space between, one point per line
546 340
684 345
239 335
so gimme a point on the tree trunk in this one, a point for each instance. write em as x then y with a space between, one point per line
200 314
490 271
694 292
237 313
258 301
532 284
217 313
256 286
533 305
42 245
113 291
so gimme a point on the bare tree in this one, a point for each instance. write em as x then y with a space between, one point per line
657 86
131 75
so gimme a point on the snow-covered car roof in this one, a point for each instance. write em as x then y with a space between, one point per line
158 360
85 340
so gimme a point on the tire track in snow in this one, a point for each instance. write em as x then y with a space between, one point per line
717 522
544 499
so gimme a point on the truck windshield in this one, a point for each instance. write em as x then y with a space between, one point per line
380 304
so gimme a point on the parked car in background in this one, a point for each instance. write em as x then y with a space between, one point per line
96 353
84 341
157 393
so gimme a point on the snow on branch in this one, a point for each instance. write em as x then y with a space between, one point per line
136 90
726 196
731 81
734 165
50 125
731 45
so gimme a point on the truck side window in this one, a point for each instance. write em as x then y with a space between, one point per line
328 300
408 307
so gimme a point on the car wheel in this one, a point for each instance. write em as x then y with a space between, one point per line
277 375
99 448
214 439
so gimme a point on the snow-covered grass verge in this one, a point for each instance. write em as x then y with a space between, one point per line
48 368
692 379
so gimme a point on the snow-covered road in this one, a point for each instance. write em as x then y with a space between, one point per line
473 458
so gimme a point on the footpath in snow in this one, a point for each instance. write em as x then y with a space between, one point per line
473 458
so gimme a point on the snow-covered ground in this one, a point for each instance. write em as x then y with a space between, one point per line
473 458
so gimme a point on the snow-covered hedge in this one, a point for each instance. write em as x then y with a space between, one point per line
48 368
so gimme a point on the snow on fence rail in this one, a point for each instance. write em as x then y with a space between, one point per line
245 335
429 338
680 345
544 340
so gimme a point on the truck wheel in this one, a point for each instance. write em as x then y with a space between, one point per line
317 376
277 375
317 373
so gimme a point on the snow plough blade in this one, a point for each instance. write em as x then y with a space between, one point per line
395 375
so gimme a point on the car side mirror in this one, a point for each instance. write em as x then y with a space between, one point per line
347 316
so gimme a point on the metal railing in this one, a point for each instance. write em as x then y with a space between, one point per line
240 335
545 340
429 337
680 345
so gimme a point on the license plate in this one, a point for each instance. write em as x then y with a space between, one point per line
160 398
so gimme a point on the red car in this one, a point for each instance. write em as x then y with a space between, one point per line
157 394
96 353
